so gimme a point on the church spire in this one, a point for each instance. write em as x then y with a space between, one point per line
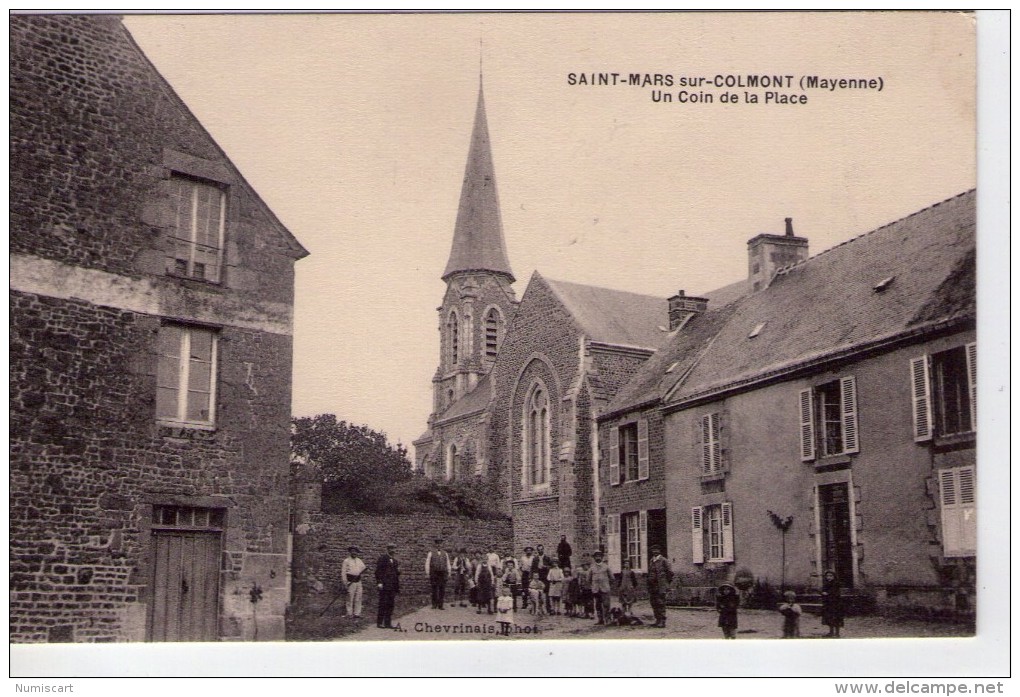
478 243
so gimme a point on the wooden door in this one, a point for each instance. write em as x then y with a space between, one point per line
185 603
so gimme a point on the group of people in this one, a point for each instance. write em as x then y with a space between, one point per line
544 585
727 602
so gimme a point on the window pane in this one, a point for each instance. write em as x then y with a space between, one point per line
198 376
169 340
201 345
198 406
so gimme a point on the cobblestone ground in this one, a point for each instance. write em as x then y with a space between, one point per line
460 623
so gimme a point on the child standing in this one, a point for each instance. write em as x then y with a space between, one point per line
512 581
555 579
791 612
505 612
536 595
726 603
570 592
832 603
584 586
628 588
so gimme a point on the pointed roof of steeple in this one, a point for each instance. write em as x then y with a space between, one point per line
478 243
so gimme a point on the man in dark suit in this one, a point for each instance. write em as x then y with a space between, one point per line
660 576
387 577
564 551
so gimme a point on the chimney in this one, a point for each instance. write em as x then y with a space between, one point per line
682 307
767 253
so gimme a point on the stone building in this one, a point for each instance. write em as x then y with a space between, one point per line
520 382
842 392
151 297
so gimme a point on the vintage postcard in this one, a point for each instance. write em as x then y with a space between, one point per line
472 330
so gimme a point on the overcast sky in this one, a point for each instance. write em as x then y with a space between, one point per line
355 130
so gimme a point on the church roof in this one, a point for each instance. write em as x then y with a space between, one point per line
614 316
905 276
478 243
473 402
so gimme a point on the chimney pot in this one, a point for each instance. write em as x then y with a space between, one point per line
789 227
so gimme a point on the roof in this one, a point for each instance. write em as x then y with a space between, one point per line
614 316
471 403
824 306
478 243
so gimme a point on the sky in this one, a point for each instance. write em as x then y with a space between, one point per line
355 130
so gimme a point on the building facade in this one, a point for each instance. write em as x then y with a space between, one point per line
151 297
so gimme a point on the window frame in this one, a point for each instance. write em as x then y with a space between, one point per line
183 376
813 419
536 438
927 401
619 454
195 185
704 549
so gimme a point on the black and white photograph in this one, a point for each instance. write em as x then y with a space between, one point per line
474 330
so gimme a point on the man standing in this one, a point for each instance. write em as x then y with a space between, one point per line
527 561
387 577
437 566
660 576
350 573
563 551
601 588
540 566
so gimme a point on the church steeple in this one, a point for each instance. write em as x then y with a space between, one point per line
478 243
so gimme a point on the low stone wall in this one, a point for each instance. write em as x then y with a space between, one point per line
321 541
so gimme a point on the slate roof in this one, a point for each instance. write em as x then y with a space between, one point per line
474 401
825 306
614 316
478 243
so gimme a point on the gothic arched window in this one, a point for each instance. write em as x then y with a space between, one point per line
453 332
452 463
492 322
536 437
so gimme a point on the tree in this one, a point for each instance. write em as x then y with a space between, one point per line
358 467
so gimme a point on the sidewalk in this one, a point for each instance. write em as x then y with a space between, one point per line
460 623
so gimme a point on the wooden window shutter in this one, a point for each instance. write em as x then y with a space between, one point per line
697 535
614 456
727 532
921 391
613 542
706 443
643 537
642 430
972 383
848 390
716 442
968 513
807 425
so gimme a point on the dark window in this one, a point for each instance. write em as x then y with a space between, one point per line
951 388
629 452
829 410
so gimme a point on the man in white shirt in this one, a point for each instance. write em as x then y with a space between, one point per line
438 568
350 573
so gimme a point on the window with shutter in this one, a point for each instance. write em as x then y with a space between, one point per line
711 445
972 382
848 389
614 456
921 397
959 512
613 542
697 536
951 382
807 426
726 511
642 554
642 442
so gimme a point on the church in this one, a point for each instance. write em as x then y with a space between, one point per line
520 382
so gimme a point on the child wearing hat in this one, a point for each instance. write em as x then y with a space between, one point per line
726 603
791 612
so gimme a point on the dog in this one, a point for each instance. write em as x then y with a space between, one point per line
619 618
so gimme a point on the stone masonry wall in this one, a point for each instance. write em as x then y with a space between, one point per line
95 136
321 541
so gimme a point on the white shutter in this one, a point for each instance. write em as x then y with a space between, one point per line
972 383
807 425
727 532
613 542
921 391
642 444
614 456
697 535
707 444
848 390
716 443
643 538
959 513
